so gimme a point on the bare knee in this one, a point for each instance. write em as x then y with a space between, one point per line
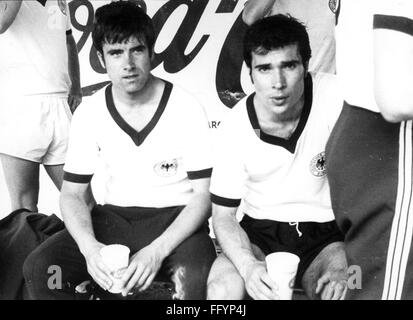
222 290
225 286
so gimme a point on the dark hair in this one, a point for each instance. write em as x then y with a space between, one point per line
117 21
275 32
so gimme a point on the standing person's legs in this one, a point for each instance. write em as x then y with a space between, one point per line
54 158
368 159
33 130
22 180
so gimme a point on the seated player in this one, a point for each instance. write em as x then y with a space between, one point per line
271 156
154 140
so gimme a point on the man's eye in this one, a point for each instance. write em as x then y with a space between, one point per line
291 66
139 49
263 69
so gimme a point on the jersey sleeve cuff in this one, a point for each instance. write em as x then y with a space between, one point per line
77 178
225 202
396 23
69 32
206 173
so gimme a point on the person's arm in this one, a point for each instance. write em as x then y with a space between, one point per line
75 93
256 9
75 208
145 264
393 66
8 12
237 247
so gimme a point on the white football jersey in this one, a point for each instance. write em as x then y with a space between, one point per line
278 179
149 168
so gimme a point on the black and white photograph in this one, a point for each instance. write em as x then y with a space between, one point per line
217 151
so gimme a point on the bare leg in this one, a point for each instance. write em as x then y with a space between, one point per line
55 173
224 281
326 277
22 180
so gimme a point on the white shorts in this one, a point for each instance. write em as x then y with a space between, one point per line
35 128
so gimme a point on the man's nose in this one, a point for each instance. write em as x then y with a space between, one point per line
129 61
278 79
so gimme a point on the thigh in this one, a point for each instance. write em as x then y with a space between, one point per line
20 174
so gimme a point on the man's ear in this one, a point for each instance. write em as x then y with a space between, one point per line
101 59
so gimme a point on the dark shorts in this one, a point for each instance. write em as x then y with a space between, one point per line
273 236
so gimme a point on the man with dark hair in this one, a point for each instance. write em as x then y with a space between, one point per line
271 156
317 15
153 138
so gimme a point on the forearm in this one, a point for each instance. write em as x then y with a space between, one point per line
8 12
195 213
78 221
73 65
256 9
233 241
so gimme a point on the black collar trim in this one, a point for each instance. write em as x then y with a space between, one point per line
290 143
138 137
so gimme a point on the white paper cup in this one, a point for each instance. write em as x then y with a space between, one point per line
282 268
115 257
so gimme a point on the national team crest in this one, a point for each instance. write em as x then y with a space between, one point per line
334 5
166 168
62 6
318 165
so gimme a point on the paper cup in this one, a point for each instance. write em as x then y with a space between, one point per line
115 257
282 268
